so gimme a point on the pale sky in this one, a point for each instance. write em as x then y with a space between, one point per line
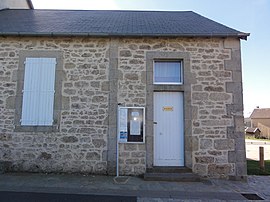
252 16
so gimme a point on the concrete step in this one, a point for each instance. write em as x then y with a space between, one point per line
172 177
170 173
168 169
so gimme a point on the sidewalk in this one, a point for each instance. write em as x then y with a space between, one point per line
207 190
252 149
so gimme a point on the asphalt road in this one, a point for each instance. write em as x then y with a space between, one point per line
7 196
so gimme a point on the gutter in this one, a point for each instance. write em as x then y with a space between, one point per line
30 4
243 35
89 34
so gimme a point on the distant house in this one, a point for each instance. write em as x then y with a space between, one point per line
260 115
165 85
253 132
260 118
16 4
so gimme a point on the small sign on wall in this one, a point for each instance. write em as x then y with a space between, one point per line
123 136
131 124
122 126
167 108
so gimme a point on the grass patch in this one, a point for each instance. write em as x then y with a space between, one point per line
254 138
254 169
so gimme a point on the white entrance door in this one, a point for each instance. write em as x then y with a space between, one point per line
168 129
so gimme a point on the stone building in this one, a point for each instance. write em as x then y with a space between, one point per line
65 75
260 118
260 115
252 132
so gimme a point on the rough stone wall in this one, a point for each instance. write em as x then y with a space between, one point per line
132 159
81 143
132 93
210 122
92 89
209 99
236 157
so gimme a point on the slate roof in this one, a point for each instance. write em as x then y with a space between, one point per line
261 113
252 130
111 23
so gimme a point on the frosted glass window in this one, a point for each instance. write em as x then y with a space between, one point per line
167 72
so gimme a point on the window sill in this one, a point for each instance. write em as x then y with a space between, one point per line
19 128
169 87
168 83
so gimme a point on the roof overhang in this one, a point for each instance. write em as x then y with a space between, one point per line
243 35
252 130
86 34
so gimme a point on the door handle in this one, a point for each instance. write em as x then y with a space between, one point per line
154 122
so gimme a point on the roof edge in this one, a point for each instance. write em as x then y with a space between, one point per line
243 36
117 10
254 114
51 34
30 4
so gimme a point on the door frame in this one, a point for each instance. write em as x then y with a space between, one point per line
151 56
180 145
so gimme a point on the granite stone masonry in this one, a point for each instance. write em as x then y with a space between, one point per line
80 143
100 73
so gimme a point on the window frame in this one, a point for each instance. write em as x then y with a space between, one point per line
38 91
129 139
57 96
168 83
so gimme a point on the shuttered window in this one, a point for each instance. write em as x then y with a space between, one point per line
38 92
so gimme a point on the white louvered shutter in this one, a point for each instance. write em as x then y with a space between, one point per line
38 92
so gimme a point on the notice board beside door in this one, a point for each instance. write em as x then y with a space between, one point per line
131 124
